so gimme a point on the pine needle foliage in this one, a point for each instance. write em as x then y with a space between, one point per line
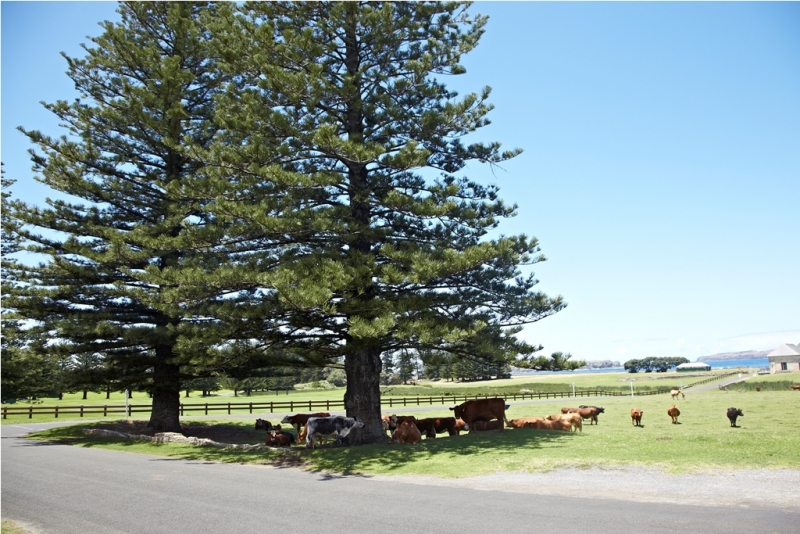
342 159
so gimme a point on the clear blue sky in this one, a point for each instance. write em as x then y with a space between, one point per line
661 170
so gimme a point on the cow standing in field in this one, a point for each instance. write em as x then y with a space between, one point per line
299 420
636 416
733 413
673 412
675 392
486 409
337 426
431 426
586 412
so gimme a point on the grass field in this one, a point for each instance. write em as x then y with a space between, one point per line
766 438
517 384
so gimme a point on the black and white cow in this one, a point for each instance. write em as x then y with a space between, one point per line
330 426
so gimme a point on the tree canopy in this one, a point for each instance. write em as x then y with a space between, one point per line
276 184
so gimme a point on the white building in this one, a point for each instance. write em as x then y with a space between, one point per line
784 359
693 366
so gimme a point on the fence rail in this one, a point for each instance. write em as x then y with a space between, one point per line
310 405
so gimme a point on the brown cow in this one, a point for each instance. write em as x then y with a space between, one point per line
544 424
460 426
795 386
395 420
673 412
569 410
278 439
522 422
636 416
406 433
482 426
590 413
487 409
574 419
432 425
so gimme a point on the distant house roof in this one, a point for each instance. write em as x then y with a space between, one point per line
787 349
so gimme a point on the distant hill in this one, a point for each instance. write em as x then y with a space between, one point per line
744 355
601 364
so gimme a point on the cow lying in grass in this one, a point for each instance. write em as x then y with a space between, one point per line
522 422
574 419
406 433
279 438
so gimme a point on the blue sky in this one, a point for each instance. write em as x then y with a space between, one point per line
661 170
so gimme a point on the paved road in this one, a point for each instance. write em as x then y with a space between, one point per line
64 489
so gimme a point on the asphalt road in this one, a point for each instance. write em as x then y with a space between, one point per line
64 489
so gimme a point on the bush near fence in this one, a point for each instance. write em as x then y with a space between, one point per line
781 385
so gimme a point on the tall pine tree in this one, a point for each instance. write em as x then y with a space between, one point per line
336 124
115 238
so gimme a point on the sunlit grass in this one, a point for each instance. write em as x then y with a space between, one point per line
766 438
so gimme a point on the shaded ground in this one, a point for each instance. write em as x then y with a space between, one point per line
219 432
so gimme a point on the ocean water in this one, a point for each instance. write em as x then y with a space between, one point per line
733 364
757 363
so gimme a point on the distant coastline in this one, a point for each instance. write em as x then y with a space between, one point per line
744 355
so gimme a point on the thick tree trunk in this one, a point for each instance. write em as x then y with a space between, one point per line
165 416
84 394
362 398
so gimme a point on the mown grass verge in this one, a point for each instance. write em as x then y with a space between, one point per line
766 438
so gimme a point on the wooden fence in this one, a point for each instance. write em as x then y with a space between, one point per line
292 406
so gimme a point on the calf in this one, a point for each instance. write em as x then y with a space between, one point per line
263 424
482 426
406 433
396 420
636 416
673 412
460 426
337 426
733 413
276 438
675 392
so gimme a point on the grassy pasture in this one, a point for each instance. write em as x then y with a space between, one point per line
766 438
517 384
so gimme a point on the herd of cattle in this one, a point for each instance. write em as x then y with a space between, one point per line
473 416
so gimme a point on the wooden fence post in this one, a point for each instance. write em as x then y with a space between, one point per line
5 412
251 407
291 404
270 407
206 408
328 405
229 408
81 410
105 410
57 412
30 412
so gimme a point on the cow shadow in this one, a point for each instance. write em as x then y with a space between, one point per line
393 457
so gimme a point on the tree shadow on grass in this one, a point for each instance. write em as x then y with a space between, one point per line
391 458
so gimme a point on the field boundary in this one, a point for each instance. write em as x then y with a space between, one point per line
292 405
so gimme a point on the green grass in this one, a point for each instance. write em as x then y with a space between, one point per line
9 527
517 384
766 438
776 382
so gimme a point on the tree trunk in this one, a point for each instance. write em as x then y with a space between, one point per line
108 391
362 398
84 394
60 395
165 416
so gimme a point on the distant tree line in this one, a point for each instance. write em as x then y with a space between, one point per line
648 365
